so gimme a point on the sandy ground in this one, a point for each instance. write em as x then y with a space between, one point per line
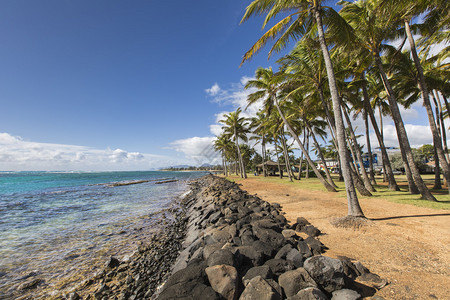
407 245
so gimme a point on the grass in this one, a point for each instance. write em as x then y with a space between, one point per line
402 196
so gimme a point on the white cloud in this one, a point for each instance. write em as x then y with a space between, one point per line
17 154
198 149
214 90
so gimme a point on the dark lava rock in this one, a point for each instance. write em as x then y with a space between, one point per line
270 236
279 266
190 290
304 249
283 252
221 257
263 271
113 262
326 271
311 230
294 281
309 294
345 294
224 280
259 289
248 255
316 246
195 271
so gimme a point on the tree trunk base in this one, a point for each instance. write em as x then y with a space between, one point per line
351 222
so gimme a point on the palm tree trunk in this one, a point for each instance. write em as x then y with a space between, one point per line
437 172
223 165
301 159
354 209
384 156
263 146
307 150
239 154
369 148
426 102
278 158
365 178
286 156
401 133
325 183
322 158
440 118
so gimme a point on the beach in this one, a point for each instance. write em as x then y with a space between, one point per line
408 245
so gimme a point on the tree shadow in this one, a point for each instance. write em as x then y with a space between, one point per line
411 216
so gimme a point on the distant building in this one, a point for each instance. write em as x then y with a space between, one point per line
378 158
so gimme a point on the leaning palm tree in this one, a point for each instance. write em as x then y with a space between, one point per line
306 14
222 144
235 127
268 86
371 29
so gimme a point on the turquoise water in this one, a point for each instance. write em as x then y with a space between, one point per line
61 227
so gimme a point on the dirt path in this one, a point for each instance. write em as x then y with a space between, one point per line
408 245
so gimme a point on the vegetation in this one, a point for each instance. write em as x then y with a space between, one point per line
342 66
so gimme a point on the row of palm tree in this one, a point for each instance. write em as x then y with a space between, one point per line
342 66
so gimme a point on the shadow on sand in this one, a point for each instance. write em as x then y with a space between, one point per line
411 216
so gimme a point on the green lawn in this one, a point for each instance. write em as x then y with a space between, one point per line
401 196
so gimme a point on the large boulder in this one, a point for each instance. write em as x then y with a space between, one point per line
326 271
221 257
259 289
224 280
263 271
269 236
294 281
189 291
279 266
309 294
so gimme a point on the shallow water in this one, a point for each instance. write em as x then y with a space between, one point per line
63 227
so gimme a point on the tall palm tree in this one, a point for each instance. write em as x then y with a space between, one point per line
222 144
258 127
306 14
268 86
404 13
371 29
235 127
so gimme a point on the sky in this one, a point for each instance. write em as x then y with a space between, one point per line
125 85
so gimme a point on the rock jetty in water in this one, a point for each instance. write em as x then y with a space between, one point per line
235 246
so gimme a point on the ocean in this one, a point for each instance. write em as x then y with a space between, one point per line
59 228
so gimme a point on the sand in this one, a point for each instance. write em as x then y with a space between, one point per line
407 245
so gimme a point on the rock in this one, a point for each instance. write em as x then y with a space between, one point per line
32 284
259 289
295 257
288 233
283 252
248 255
345 294
189 291
264 248
294 281
73 296
316 246
361 269
279 266
302 222
113 262
223 280
311 230
372 280
269 236
263 271
211 248
266 223
304 249
195 271
326 271
221 257
309 294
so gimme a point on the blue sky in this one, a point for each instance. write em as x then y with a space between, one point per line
109 84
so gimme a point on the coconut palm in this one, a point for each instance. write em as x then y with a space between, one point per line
305 14
222 144
235 127
268 87
371 29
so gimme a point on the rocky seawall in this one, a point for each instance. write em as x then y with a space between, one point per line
222 243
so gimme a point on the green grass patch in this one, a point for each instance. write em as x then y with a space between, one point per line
402 196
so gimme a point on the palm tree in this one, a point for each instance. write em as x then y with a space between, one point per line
371 29
258 127
404 13
222 144
268 86
307 13
235 127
